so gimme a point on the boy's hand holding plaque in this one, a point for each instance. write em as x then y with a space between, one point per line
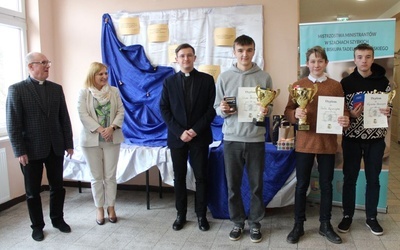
231 101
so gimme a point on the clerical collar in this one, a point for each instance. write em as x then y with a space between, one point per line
320 79
187 74
37 81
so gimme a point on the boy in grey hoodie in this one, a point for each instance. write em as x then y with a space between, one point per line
244 142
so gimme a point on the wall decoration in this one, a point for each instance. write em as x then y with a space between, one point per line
197 27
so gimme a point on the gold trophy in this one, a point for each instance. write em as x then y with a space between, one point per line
391 96
302 96
264 97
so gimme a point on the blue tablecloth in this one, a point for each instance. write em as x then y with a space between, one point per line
279 165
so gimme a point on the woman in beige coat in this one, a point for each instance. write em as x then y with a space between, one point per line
102 113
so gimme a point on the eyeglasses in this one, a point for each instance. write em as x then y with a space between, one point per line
43 63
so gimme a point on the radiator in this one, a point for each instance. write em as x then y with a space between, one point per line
4 184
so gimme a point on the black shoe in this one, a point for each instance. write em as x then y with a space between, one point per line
236 233
255 235
373 224
62 226
297 231
203 223
325 229
179 222
344 225
37 234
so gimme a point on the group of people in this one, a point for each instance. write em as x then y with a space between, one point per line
358 143
40 132
186 107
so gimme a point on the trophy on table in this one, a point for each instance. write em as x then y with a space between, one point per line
265 98
302 96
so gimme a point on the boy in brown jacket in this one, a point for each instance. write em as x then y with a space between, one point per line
310 145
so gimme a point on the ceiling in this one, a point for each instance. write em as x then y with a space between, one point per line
327 10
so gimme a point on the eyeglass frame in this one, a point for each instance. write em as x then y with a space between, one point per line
43 63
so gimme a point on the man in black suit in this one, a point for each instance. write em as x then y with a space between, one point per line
187 108
40 131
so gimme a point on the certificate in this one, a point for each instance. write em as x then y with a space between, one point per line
373 118
247 104
329 109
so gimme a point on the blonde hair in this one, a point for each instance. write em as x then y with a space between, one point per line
94 68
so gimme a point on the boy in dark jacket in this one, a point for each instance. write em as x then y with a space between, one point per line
359 142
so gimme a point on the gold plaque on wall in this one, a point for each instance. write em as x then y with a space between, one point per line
158 33
171 53
224 36
213 70
129 26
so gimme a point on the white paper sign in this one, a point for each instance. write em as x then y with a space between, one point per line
373 118
329 109
247 104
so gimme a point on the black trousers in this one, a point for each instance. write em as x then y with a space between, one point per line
198 158
33 173
372 154
304 165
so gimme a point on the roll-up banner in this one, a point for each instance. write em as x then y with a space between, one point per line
339 40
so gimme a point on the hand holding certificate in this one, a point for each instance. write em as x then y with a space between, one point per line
330 109
373 117
247 104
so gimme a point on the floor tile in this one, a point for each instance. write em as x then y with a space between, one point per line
139 228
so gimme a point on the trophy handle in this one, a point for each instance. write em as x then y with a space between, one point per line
257 92
290 88
314 92
391 96
258 88
277 92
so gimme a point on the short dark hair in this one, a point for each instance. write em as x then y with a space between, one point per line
364 46
184 46
318 51
244 40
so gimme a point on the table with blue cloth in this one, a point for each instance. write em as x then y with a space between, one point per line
279 165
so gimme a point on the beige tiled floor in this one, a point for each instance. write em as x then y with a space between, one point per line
139 228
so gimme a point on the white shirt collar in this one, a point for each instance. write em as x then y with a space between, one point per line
320 79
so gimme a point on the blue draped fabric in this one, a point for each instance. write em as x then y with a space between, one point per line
216 127
140 85
279 165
